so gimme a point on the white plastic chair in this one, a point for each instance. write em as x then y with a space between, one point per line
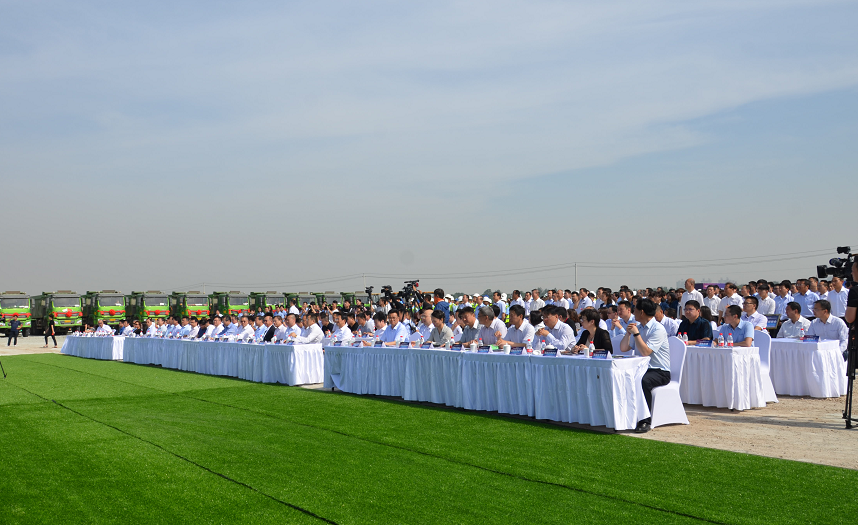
615 342
763 341
666 404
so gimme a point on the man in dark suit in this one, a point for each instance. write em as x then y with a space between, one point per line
268 321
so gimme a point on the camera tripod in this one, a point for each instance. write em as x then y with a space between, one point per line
851 363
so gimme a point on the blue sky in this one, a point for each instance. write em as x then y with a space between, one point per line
273 143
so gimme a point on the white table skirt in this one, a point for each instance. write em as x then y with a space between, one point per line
498 383
721 377
590 391
106 348
807 369
434 376
269 363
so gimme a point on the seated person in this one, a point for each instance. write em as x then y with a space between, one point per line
490 326
649 339
396 331
556 333
592 333
246 332
470 326
365 323
268 323
750 314
792 327
697 328
670 325
425 326
742 331
441 334
342 331
281 331
312 332
826 326
103 328
520 331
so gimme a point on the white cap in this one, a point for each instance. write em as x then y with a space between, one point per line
460 299
503 297
486 298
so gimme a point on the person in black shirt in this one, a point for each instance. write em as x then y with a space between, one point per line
694 325
13 330
852 306
601 338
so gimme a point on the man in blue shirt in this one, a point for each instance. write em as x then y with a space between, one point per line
805 298
742 331
442 305
396 331
649 338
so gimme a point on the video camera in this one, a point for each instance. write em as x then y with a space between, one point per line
406 296
840 266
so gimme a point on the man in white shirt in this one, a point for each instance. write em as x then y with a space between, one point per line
312 332
516 299
712 300
791 328
281 331
670 325
826 326
782 298
520 330
528 300
246 331
750 314
396 332
690 294
125 328
805 297
365 324
731 298
584 300
624 315
161 327
151 329
342 332
837 296
215 328
556 333
490 326
536 303
767 303
195 328
425 326
103 328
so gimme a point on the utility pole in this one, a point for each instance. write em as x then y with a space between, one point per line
576 276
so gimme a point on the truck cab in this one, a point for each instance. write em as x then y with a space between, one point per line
14 303
328 297
151 304
230 303
64 306
267 301
107 305
190 304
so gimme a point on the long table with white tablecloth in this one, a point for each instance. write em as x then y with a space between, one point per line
722 377
263 363
95 347
570 389
800 368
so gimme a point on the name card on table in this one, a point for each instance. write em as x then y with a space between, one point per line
484 349
550 352
357 344
426 345
601 354
404 345
516 350
811 339
704 344
337 343
456 347
378 344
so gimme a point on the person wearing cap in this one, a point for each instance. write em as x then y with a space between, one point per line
491 328
14 326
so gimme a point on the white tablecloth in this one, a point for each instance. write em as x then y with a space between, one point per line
498 383
590 391
107 348
807 369
722 377
269 363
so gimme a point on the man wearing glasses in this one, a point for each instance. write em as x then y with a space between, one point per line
750 314
826 326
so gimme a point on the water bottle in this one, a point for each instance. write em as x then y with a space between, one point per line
729 340
721 340
801 334
685 338
447 345
528 347
591 349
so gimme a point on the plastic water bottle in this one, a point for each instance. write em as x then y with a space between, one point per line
721 340
685 338
528 347
801 334
729 340
591 349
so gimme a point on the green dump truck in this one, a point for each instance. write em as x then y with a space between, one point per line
267 301
106 305
190 304
151 304
14 303
63 305
232 302
328 297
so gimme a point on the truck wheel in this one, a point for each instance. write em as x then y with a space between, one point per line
26 332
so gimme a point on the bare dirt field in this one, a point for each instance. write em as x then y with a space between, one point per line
795 428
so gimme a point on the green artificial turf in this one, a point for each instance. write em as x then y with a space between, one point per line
93 441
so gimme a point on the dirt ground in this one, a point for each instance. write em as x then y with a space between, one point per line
795 428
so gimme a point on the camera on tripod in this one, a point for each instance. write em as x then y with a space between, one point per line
840 266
